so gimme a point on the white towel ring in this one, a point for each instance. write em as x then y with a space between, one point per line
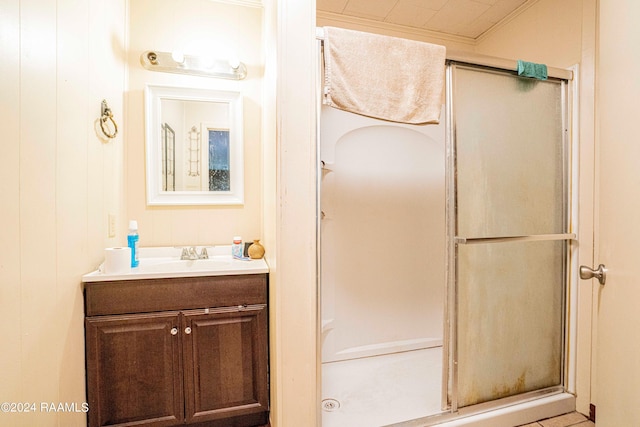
107 115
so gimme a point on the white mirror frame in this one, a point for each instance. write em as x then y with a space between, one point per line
153 119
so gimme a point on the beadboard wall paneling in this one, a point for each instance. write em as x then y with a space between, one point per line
58 182
10 289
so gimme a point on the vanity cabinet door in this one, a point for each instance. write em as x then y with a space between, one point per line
225 356
134 370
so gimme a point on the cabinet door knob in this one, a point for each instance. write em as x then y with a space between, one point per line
174 331
187 330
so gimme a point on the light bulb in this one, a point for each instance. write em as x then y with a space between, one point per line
234 62
177 56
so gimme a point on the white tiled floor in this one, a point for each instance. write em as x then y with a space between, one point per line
573 419
382 390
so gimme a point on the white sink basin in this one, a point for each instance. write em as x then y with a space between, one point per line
166 263
217 263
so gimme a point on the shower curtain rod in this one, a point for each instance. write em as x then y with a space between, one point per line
484 60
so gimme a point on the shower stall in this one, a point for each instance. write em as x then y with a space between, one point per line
446 255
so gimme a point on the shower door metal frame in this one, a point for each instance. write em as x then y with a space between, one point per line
450 351
452 412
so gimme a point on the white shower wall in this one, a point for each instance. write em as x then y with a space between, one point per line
382 235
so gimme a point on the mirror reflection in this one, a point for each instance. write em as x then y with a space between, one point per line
194 146
199 160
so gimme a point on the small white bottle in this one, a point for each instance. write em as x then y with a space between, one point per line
132 242
237 247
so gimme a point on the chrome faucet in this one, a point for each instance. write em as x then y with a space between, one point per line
192 254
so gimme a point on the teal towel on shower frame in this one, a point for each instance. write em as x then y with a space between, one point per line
531 69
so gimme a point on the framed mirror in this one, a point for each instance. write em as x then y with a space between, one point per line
194 146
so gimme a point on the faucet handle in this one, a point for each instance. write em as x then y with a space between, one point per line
203 254
193 253
185 254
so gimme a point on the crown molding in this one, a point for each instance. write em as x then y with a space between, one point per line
379 25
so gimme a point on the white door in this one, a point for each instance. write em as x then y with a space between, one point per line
617 376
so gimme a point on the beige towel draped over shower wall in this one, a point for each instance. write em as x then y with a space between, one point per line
384 77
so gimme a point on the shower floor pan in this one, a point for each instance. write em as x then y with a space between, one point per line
382 390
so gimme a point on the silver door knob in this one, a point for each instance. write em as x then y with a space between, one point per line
600 273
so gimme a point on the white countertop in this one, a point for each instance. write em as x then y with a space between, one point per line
164 262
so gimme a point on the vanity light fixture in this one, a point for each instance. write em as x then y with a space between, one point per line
177 62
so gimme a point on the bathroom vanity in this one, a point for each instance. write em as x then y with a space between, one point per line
163 350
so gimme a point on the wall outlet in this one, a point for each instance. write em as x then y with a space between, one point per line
112 225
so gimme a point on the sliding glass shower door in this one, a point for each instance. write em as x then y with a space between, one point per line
509 240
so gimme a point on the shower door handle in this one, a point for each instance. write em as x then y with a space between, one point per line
600 273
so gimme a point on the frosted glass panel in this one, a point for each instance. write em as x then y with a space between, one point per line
509 154
510 319
510 181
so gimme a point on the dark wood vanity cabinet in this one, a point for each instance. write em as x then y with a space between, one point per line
134 370
225 364
188 351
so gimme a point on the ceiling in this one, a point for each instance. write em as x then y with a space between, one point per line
466 18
